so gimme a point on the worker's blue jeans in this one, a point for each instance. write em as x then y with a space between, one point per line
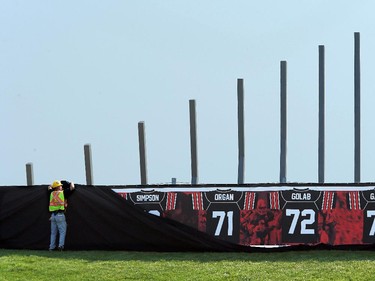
58 225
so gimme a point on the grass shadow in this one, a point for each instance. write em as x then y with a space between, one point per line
202 257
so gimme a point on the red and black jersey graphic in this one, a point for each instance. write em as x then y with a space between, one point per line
268 217
260 225
222 211
342 224
300 216
154 202
350 219
368 205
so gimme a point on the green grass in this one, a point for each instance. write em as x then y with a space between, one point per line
102 265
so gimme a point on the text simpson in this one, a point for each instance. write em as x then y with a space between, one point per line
148 198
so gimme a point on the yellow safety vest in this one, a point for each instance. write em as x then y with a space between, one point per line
56 201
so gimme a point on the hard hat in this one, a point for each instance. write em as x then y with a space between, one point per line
56 184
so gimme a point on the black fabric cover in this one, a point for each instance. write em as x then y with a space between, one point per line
99 219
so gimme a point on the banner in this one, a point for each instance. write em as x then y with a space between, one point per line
266 215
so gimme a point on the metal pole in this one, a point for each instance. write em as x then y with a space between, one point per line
357 109
29 174
88 164
241 132
283 124
193 143
321 148
142 152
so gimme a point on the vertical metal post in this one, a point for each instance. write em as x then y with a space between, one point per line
357 109
241 131
193 143
174 181
283 124
88 164
321 148
29 174
142 152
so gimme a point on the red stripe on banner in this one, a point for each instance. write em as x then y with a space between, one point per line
168 205
200 201
171 200
123 194
174 201
358 201
271 200
351 201
252 200
324 203
354 200
327 203
330 201
249 200
277 205
246 204
278 200
197 200
274 200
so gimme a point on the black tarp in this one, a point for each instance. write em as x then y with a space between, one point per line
98 219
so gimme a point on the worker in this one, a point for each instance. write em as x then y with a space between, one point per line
59 191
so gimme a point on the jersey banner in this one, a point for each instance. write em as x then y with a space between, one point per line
268 215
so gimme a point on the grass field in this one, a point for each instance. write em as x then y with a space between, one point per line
102 265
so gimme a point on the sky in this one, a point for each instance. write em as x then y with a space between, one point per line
86 72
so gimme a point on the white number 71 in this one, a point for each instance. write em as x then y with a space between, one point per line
221 216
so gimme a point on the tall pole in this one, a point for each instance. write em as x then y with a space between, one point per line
29 174
357 109
321 148
193 143
241 132
88 165
142 152
283 124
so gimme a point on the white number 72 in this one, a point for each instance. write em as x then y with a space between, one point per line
304 223
369 215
